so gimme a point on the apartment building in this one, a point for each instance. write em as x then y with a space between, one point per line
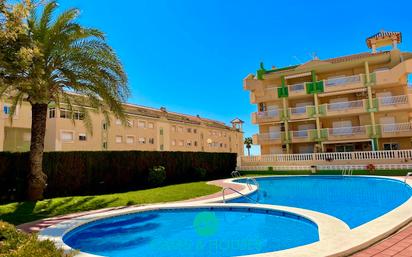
147 129
359 102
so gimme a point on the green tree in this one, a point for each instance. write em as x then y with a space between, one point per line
248 143
46 60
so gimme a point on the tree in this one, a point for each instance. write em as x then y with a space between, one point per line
46 60
248 143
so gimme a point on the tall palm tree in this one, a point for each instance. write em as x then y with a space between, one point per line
248 143
51 60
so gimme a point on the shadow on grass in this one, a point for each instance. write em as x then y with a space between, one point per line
30 211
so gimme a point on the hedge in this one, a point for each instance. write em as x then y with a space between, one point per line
89 173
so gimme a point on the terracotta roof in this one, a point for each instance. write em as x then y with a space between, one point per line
384 34
354 57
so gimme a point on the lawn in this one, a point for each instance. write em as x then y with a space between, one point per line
22 212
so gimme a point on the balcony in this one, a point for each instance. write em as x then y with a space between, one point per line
299 112
346 133
297 90
268 138
388 103
344 83
266 116
396 130
301 136
340 108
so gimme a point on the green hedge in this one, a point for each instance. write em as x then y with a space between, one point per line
88 173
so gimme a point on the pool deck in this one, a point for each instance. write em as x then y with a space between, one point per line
398 244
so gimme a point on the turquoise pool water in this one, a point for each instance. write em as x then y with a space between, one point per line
355 200
193 232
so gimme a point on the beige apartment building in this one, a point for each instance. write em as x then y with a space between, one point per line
147 129
359 102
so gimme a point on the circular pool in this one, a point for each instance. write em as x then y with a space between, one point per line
205 231
354 200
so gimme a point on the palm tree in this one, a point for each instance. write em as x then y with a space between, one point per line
52 61
248 143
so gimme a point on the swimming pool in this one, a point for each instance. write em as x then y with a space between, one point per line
355 200
223 231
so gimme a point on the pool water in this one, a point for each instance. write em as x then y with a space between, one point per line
355 200
193 232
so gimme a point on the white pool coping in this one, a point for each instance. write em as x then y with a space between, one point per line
336 238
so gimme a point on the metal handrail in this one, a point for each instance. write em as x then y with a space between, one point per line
407 175
254 181
234 190
235 174
347 172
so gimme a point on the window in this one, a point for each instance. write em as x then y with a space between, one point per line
173 142
119 139
78 115
141 124
221 145
82 137
118 122
179 129
6 109
151 141
189 130
161 131
65 114
195 143
52 113
181 142
150 125
104 145
105 126
130 139
195 131
142 140
66 136
161 147
391 146
129 123
189 143
173 128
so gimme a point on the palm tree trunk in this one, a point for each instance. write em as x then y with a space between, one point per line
248 151
36 177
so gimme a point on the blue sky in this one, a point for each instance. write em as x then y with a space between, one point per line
191 56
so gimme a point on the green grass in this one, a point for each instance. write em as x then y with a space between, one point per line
22 212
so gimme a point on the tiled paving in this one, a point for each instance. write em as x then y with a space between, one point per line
399 245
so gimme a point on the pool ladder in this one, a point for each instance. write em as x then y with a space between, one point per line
407 175
347 172
235 174
236 191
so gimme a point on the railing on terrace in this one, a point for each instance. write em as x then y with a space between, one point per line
366 155
269 136
346 131
392 100
300 133
343 80
396 127
340 106
298 110
269 114
297 87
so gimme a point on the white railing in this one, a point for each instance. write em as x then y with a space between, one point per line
297 87
346 156
270 114
346 131
393 100
343 80
396 127
341 106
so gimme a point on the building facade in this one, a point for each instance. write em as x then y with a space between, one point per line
147 129
359 102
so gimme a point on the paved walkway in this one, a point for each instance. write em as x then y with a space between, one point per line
399 244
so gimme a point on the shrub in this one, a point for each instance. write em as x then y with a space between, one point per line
14 243
105 172
200 173
157 176
270 168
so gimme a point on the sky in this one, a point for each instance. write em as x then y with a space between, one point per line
191 56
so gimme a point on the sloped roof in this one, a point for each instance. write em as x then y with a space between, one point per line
354 57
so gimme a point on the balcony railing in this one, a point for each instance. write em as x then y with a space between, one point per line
343 81
396 127
298 110
269 136
347 131
297 87
343 106
268 115
392 100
